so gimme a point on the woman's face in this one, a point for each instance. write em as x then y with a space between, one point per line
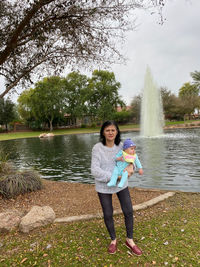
110 133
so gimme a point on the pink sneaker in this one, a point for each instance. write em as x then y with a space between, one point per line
135 250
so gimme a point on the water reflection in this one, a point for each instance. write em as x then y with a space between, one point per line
170 162
153 159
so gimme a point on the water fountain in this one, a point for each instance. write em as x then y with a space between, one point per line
163 155
152 119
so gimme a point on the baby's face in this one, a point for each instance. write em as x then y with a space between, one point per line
130 150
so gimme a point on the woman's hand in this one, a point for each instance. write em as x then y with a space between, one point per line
120 158
129 169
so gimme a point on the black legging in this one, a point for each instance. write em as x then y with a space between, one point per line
126 205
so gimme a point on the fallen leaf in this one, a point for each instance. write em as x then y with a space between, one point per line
23 260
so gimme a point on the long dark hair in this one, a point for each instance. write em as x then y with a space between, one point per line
102 138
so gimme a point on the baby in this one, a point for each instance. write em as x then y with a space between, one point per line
124 158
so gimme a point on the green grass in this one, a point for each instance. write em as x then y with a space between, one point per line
178 122
168 234
18 135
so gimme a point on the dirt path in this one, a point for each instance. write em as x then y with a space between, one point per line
68 199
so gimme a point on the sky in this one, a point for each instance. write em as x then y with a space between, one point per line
170 50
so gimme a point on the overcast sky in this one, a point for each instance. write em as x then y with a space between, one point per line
171 50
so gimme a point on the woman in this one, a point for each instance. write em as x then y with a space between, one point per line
102 165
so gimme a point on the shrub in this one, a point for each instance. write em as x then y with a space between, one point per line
6 167
93 125
2 130
3 156
15 183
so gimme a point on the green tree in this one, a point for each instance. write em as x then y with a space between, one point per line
176 111
170 103
188 90
188 94
103 95
45 102
123 116
76 92
24 105
7 112
196 78
136 108
41 35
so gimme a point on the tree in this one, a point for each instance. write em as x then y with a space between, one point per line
188 90
123 116
196 77
170 103
188 93
76 90
46 35
136 108
103 97
7 112
45 102
25 111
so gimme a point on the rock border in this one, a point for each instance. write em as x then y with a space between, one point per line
39 216
141 206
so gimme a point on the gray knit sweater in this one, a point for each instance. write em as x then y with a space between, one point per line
102 165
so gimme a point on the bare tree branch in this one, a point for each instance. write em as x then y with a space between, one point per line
42 36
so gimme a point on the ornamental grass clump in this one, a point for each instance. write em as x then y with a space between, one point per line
6 168
15 183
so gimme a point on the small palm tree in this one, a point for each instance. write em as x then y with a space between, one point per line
196 77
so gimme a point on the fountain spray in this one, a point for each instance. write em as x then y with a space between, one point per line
152 118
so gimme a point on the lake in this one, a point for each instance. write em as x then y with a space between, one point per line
170 162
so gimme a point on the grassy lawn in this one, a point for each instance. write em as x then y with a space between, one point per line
178 122
17 135
168 233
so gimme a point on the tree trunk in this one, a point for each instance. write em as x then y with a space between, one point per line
51 125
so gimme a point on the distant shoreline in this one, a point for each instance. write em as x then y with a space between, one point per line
169 127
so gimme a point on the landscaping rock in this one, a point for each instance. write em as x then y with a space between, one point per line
43 135
10 220
36 217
